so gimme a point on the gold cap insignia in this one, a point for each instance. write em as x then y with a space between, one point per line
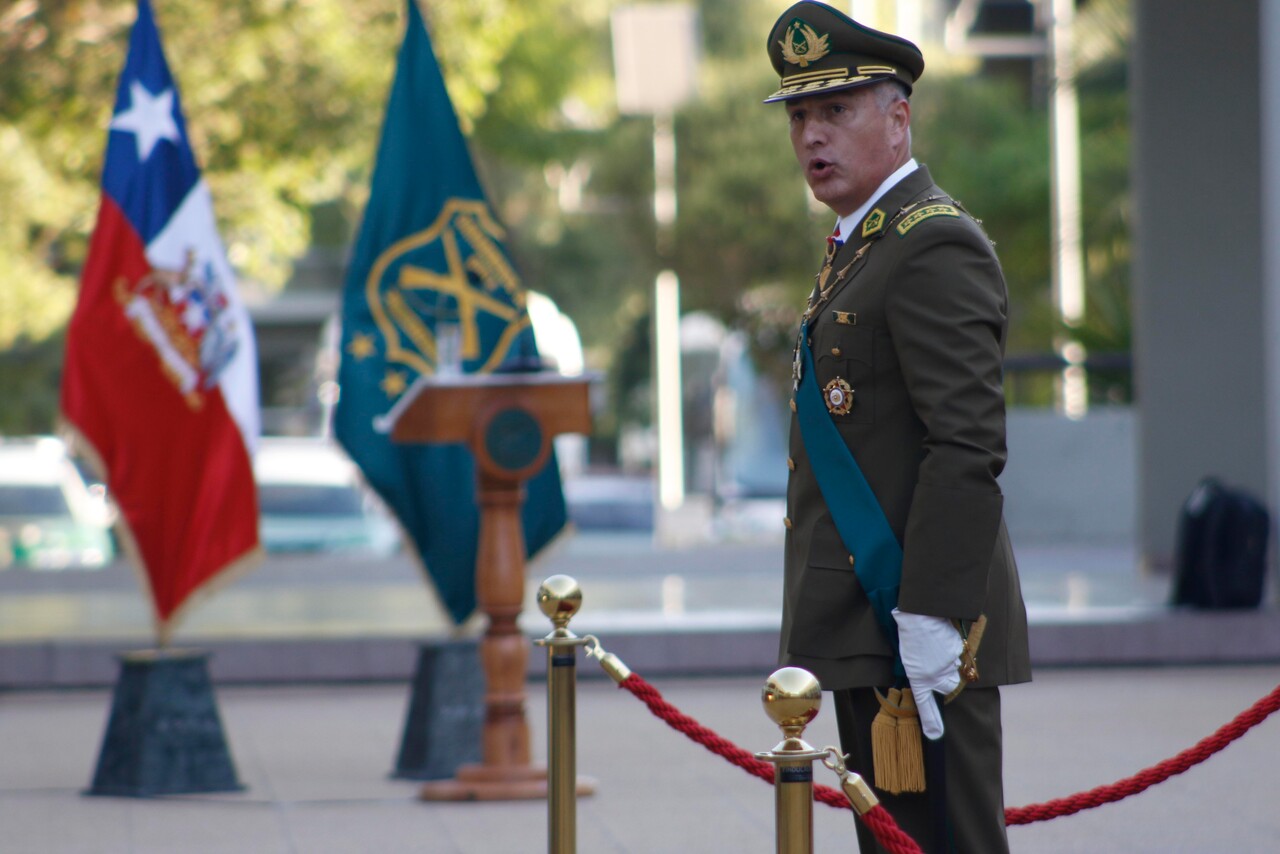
838 395
802 44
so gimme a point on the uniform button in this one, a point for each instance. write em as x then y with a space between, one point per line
850 560
793 404
791 464
786 522
835 351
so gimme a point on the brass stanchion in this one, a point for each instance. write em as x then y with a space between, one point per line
559 598
792 697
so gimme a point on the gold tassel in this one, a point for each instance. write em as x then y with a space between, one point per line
910 746
897 754
884 743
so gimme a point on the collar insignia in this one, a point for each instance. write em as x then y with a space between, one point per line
873 223
802 44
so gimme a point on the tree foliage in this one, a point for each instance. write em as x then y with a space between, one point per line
284 102
279 98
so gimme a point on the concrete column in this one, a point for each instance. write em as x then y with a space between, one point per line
1269 92
1205 327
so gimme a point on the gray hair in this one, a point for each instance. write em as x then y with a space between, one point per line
889 92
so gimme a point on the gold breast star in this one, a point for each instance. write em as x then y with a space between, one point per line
361 346
393 384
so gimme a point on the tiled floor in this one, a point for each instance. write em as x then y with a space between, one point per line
315 761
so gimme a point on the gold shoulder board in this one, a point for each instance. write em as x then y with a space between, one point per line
916 217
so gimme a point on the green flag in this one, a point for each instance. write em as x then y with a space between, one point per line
430 252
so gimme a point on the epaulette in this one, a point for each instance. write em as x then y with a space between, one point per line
919 215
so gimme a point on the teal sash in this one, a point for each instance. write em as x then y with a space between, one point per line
859 519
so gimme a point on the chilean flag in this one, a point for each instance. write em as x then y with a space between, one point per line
160 380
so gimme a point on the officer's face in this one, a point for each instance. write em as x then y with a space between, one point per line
847 145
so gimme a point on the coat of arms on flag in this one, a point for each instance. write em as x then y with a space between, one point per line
430 257
186 316
160 382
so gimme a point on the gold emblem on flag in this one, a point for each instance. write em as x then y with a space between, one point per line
361 346
802 45
838 395
454 270
394 383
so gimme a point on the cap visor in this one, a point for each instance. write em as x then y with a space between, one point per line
790 93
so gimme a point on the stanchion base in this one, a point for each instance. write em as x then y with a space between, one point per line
497 783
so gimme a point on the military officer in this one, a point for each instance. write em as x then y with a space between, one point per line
896 544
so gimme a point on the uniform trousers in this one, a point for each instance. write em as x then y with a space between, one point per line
974 779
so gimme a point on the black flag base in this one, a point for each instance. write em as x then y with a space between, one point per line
443 726
164 736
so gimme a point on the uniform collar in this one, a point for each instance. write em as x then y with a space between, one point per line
846 225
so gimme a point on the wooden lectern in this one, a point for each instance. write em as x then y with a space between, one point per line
508 421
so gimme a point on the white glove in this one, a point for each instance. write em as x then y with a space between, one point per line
930 649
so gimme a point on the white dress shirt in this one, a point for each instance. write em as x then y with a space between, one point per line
846 224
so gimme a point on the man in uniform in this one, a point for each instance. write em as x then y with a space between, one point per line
896 543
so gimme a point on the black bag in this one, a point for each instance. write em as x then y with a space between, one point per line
1221 556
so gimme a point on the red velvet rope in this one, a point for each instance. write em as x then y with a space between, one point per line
1149 777
898 842
891 837
717 744
877 818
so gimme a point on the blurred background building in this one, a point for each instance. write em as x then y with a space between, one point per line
1169 337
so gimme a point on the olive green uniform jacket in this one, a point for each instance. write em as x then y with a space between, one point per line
916 326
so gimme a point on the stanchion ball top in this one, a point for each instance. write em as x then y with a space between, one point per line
792 697
559 598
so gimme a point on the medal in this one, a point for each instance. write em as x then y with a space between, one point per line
797 358
838 395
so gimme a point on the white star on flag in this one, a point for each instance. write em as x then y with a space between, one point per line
149 118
